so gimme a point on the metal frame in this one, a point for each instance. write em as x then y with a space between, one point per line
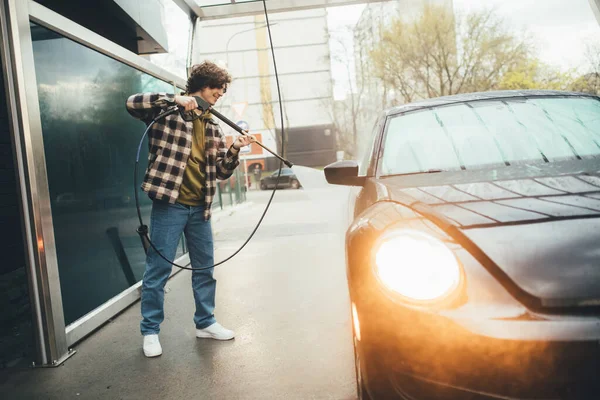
49 19
595 5
279 20
256 7
27 138
190 7
10 96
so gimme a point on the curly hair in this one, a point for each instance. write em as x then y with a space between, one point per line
207 74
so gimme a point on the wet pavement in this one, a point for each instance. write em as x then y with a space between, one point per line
284 294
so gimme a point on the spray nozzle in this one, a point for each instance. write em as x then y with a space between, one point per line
203 105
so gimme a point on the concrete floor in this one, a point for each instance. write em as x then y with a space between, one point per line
285 295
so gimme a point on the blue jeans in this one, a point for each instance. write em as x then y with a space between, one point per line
167 223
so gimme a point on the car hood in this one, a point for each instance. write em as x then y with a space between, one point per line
542 233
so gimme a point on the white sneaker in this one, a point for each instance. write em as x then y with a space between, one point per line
215 331
152 346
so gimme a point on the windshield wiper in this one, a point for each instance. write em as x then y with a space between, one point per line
429 171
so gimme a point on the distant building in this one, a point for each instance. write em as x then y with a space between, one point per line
301 46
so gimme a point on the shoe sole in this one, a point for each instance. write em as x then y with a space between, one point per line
209 336
152 355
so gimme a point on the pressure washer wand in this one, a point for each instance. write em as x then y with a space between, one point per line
240 130
203 105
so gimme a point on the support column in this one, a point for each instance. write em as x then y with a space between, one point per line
26 132
595 4
262 44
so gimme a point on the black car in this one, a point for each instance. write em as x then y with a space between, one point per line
287 179
473 257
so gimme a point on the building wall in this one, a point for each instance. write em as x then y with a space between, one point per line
595 4
301 46
16 331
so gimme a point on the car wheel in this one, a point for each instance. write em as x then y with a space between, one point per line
295 184
263 186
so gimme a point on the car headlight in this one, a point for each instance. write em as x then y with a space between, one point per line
417 265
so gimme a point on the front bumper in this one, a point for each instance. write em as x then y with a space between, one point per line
412 354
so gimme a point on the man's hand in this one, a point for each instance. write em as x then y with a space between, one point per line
187 102
243 140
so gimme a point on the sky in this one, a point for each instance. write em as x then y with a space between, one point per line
560 29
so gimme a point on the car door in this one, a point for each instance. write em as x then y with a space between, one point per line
285 177
272 179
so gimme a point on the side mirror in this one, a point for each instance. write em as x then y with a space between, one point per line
344 173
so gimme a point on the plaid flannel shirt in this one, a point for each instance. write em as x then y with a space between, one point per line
170 144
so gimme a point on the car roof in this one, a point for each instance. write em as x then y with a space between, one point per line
491 95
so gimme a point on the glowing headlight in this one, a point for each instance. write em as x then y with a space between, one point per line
417 265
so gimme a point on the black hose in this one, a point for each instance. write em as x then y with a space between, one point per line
143 229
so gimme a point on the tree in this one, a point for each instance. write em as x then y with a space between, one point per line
533 74
439 54
590 81
346 112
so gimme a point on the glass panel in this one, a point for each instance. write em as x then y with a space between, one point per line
177 26
485 133
90 143
468 135
305 81
408 136
566 116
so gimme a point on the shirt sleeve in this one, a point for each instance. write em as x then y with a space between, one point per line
227 159
146 106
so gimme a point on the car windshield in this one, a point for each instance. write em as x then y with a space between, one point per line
489 133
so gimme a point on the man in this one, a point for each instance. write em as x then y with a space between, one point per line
185 161
257 175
